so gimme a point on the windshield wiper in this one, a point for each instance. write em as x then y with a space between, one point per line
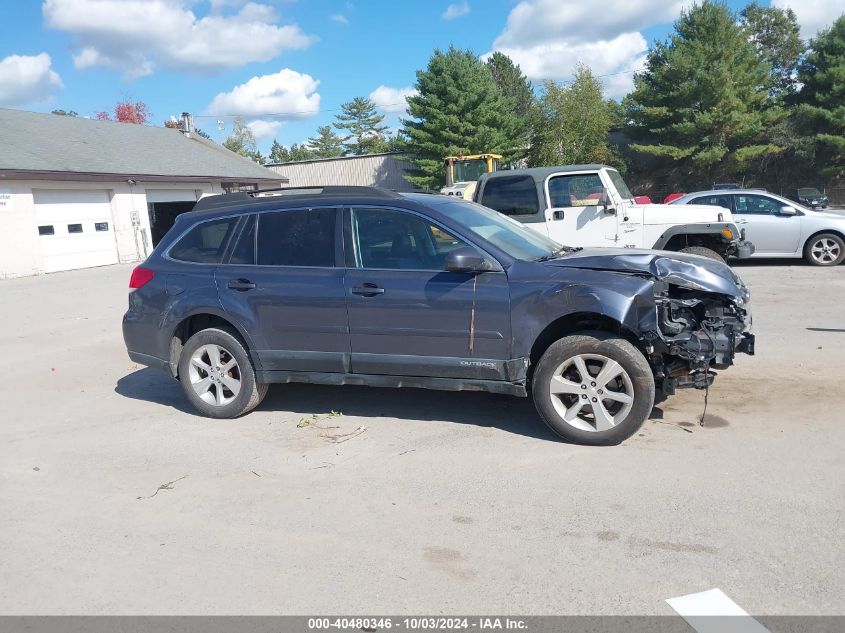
563 250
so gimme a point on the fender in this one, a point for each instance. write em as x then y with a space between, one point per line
178 311
625 298
714 229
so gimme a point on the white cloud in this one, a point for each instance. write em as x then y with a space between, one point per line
26 79
286 94
389 99
339 18
549 38
456 10
263 129
135 36
813 15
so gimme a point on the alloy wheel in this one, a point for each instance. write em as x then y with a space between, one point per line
214 375
825 250
591 392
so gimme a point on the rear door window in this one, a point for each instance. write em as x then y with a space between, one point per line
244 250
205 243
299 237
511 195
713 201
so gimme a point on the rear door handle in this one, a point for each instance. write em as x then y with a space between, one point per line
241 284
367 290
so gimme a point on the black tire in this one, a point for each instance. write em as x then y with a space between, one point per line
703 251
815 254
610 347
250 393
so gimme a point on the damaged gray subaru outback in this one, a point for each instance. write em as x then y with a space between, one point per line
362 286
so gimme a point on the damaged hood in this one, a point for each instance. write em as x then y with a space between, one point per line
680 269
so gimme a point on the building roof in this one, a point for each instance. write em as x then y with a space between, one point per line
336 158
53 144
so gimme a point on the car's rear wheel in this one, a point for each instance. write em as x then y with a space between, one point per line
217 375
703 251
826 249
593 388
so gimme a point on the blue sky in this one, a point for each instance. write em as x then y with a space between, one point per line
286 66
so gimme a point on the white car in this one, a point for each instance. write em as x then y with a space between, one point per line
779 227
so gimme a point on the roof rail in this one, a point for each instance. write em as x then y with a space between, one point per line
227 199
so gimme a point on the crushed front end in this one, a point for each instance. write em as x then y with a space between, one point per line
698 331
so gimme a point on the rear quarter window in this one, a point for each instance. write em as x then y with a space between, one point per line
204 243
511 195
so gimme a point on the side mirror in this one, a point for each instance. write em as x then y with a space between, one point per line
604 204
466 260
787 210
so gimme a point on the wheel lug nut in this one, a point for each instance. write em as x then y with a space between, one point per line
595 399
583 386
584 395
592 384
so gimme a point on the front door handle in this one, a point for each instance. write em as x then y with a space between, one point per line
368 290
557 215
241 284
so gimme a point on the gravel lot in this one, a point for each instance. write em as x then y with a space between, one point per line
447 503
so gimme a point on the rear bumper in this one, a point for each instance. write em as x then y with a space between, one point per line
149 361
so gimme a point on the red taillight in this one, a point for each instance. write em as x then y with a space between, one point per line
140 276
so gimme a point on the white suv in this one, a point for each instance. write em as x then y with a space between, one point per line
779 227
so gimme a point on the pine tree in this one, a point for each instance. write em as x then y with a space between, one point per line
821 113
279 153
364 133
458 110
701 108
777 39
516 88
326 144
571 124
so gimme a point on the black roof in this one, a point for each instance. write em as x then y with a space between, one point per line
319 194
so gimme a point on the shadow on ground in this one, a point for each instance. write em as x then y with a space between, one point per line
507 413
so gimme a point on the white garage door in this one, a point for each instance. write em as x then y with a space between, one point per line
75 228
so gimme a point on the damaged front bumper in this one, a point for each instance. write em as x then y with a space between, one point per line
699 332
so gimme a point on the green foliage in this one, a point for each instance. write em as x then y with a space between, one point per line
364 133
281 154
65 112
516 88
326 144
458 110
242 141
821 110
777 40
702 109
571 124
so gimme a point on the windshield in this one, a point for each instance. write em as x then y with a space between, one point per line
469 169
620 185
512 237
809 191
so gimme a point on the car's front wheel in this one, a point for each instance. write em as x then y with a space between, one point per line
703 251
593 388
217 375
826 249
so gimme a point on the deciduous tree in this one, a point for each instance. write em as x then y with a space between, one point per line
571 123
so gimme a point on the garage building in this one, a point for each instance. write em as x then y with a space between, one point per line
76 192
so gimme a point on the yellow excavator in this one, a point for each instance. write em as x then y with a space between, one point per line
463 172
